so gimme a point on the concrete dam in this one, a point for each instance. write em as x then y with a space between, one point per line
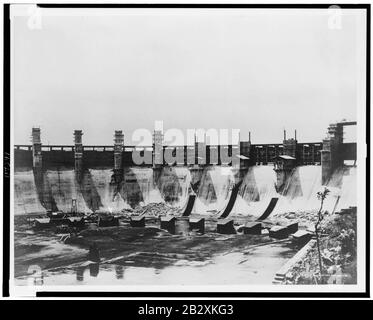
105 178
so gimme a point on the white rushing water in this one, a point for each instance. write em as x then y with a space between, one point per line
173 186
348 188
64 188
300 193
184 178
26 199
214 190
145 180
111 201
257 190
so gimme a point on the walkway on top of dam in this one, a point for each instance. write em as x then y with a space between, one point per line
102 155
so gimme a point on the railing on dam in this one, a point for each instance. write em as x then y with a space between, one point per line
103 155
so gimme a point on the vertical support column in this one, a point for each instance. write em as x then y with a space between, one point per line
330 153
245 149
42 187
290 146
157 154
313 153
304 155
326 161
78 155
118 155
285 163
338 137
200 148
157 148
191 152
37 162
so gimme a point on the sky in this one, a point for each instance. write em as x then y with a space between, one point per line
251 69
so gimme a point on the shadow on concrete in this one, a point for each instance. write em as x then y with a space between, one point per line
206 190
130 189
249 190
89 191
169 185
293 186
44 191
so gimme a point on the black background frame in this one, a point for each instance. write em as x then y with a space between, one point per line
6 175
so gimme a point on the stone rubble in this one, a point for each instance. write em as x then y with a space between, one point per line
152 209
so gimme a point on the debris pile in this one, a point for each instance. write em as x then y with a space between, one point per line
152 209
305 218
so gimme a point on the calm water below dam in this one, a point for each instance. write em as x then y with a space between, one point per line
258 267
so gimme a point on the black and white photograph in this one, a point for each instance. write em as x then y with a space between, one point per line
188 149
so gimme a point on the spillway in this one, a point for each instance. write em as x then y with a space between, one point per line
184 180
214 190
174 185
300 192
345 183
64 188
141 186
26 200
145 185
256 191
111 200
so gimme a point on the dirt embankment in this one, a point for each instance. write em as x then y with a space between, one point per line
338 250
